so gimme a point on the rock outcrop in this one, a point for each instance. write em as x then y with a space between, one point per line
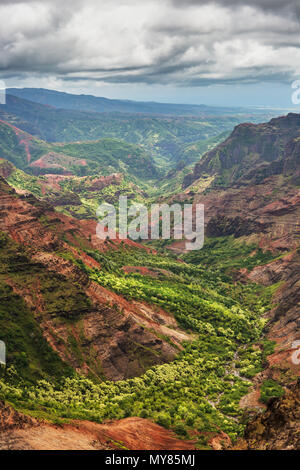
252 153
278 427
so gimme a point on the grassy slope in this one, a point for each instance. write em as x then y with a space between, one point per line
102 157
29 352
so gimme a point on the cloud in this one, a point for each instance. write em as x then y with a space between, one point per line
177 42
288 6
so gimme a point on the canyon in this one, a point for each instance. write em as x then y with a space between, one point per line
139 318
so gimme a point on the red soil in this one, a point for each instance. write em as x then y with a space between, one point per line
129 433
23 141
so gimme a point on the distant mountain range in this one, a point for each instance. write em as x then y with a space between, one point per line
97 104
169 139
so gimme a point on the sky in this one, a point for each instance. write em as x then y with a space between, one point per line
221 52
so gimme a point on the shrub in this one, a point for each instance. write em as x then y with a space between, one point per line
164 420
180 429
270 389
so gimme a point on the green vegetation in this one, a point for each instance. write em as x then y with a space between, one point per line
21 180
270 389
89 197
168 139
29 352
228 254
192 310
202 388
224 321
103 156
111 155
192 392
12 150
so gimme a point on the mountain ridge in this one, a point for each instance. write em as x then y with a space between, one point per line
93 103
252 151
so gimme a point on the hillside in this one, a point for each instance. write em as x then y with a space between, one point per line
90 314
18 432
101 157
52 250
195 342
168 138
252 153
278 427
259 204
77 196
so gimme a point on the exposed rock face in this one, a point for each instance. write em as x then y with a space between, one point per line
220 226
279 270
86 183
252 153
115 338
283 326
67 190
285 316
278 427
267 213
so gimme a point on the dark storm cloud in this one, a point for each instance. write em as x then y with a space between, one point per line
171 42
267 5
